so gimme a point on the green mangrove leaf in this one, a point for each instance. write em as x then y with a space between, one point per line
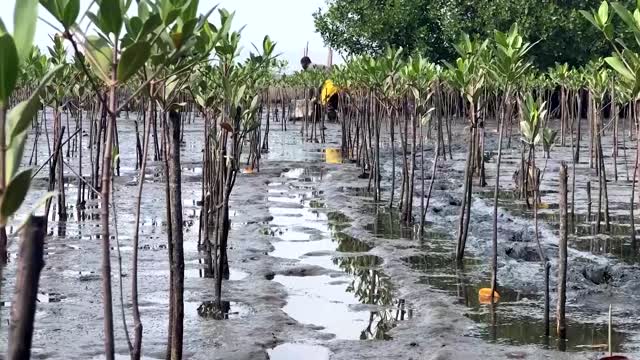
133 58
99 55
134 26
624 14
53 8
71 12
587 15
14 153
110 16
152 23
603 13
16 192
616 63
8 67
25 17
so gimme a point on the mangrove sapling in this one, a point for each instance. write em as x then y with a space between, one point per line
54 158
391 91
575 85
576 155
533 114
599 87
119 256
508 67
56 93
105 64
137 330
468 76
419 76
238 109
623 98
560 76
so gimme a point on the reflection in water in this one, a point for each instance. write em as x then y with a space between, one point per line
349 244
388 225
356 306
372 287
227 310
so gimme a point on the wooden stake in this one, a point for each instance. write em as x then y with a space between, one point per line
562 256
23 307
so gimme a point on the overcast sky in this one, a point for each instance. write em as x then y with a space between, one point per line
288 22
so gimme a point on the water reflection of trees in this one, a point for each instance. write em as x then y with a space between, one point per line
387 225
370 285
347 243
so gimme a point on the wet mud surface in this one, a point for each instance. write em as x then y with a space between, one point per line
319 271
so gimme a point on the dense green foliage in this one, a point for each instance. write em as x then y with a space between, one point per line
431 27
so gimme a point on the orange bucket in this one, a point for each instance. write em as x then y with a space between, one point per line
484 296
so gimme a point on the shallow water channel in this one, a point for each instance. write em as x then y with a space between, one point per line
354 300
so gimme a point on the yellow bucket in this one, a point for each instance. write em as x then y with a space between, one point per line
333 156
484 296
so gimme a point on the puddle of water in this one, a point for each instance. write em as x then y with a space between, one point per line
526 330
619 246
330 302
189 273
292 351
354 305
348 244
354 265
297 249
237 274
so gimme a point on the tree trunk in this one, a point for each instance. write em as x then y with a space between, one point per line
506 107
137 330
104 218
177 265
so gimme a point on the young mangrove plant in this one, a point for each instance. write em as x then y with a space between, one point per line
468 77
509 65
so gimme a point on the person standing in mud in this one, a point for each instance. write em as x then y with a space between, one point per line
314 92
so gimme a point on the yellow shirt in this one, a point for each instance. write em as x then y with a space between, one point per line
328 90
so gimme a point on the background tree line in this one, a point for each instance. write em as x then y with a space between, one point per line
431 27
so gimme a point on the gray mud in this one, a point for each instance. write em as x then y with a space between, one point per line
319 271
